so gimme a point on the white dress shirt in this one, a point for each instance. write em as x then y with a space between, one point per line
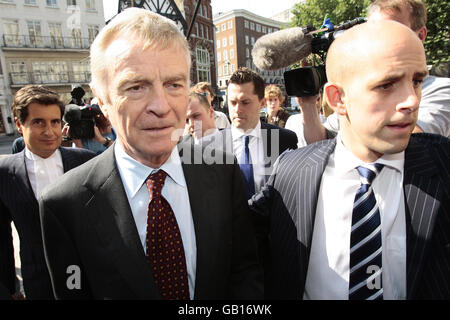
42 172
256 148
134 175
295 123
328 270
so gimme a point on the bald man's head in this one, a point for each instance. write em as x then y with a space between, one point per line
375 71
356 47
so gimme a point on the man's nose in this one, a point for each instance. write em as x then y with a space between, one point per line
411 99
158 102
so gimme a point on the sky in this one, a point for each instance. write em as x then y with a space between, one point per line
265 8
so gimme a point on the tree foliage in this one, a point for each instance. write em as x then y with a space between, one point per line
312 12
438 38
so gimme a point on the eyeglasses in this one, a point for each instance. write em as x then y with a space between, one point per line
205 93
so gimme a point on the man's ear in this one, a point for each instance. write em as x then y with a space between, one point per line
18 125
211 112
262 103
335 98
101 103
422 33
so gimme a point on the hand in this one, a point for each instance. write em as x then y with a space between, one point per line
98 136
65 130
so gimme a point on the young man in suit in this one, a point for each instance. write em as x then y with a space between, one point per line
143 221
23 176
364 215
434 111
255 144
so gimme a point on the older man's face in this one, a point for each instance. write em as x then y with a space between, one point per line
147 98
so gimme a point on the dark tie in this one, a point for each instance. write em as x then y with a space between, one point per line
247 168
165 251
365 240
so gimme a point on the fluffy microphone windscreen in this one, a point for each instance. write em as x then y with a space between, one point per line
281 49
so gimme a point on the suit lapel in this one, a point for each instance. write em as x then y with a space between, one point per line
111 216
422 202
66 159
309 179
21 177
201 184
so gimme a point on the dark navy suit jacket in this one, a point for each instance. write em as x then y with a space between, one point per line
19 204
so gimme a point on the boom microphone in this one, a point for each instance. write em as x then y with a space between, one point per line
281 49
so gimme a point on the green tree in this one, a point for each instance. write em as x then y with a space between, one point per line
312 12
438 38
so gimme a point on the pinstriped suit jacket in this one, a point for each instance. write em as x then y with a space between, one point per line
289 201
18 204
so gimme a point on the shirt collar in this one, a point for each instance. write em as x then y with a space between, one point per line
134 173
346 161
34 157
237 133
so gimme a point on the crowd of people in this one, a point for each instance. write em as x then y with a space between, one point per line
171 199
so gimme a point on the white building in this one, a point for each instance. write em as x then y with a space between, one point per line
45 42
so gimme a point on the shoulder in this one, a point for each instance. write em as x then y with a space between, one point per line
8 161
77 152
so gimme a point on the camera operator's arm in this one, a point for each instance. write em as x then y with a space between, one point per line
313 130
101 139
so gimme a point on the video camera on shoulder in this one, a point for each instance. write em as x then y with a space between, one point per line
308 81
81 120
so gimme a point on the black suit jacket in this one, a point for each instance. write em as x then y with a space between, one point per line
87 222
18 204
289 201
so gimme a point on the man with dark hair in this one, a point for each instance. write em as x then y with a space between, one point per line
23 176
255 144
434 111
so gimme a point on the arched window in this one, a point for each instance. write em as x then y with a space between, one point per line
203 64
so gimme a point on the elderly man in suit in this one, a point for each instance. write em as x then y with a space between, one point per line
364 215
143 221
23 176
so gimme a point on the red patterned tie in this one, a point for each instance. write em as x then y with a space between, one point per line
165 251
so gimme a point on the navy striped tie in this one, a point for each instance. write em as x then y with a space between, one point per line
365 240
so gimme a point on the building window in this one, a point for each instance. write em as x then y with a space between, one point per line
219 71
224 42
225 69
230 24
264 29
246 40
253 41
203 65
218 44
202 32
50 72
19 73
75 37
51 3
230 40
269 30
11 28
258 27
56 37
246 24
225 55
90 5
81 71
219 57
224 27
30 2
34 33
217 29
207 32
252 26
205 11
231 53
247 53
93 32
71 2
